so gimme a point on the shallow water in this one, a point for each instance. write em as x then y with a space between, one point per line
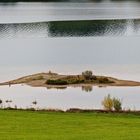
23 96
108 46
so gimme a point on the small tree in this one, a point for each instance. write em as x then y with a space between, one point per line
50 72
112 103
117 104
87 75
108 102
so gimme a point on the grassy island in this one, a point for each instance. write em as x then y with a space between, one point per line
58 80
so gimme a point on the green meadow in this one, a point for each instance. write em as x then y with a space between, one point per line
41 125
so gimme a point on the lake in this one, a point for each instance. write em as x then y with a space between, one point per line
22 96
69 38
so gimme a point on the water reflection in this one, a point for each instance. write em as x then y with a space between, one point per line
94 28
87 28
87 88
62 88
23 30
71 29
23 97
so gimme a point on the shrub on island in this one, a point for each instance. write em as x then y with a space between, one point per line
87 74
56 82
76 81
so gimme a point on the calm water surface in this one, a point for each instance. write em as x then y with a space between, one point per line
23 96
40 12
40 37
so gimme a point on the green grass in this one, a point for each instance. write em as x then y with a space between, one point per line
28 125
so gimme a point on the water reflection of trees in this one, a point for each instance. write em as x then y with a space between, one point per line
62 88
94 28
87 88
71 28
86 28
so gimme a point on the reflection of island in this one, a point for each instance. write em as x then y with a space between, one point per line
51 80
87 88
56 87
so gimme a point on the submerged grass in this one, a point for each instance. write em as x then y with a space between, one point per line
39 125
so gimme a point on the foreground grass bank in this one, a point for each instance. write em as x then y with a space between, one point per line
39 125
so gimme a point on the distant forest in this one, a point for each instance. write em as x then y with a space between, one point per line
2 1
